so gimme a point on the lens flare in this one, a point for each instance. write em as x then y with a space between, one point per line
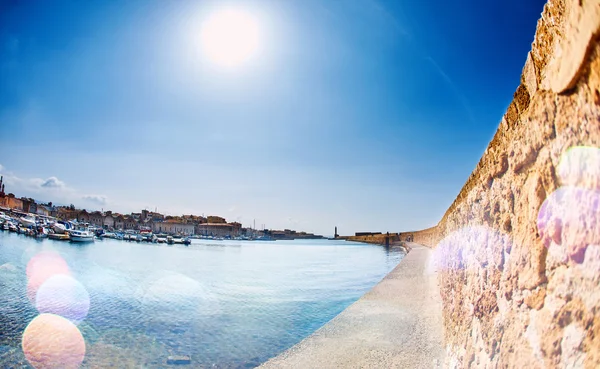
472 247
570 217
50 342
580 166
62 295
41 267
45 262
175 297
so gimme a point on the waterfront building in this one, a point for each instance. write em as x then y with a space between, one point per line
96 218
147 216
66 213
119 221
219 229
43 210
173 227
129 222
215 219
11 202
83 216
28 205
109 220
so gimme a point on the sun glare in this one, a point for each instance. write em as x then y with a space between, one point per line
230 37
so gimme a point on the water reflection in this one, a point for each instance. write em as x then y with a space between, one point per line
233 305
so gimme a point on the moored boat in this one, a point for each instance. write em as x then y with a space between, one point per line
59 228
27 221
41 232
81 236
59 236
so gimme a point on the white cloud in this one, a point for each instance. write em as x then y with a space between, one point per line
37 185
1 167
53 182
97 199
49 189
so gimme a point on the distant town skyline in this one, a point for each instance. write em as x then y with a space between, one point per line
367 115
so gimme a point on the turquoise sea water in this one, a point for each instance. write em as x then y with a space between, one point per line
227 304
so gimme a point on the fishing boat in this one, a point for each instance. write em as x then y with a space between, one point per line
82 236
170 240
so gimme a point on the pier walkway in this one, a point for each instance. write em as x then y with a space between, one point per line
398 324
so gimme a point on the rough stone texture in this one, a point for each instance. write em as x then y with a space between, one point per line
519 249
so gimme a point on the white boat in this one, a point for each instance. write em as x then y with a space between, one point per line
82 236
59 228
28 221
42 232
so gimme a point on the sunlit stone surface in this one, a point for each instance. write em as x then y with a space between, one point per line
539 183
463 249
570 217
580 166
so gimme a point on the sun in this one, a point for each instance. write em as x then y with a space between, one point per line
230 37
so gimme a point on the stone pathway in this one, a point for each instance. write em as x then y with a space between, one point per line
398 324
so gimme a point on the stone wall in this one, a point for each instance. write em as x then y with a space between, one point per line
519 249
378 239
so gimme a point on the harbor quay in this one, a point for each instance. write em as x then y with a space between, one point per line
26 215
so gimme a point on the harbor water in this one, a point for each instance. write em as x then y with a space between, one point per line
225 304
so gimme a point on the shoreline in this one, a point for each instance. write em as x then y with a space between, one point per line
398 323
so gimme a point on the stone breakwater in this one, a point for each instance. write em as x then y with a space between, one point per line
398 324
518 252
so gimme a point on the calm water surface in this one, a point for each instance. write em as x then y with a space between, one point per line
224 303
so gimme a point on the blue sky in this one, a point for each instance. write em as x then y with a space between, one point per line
365 114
